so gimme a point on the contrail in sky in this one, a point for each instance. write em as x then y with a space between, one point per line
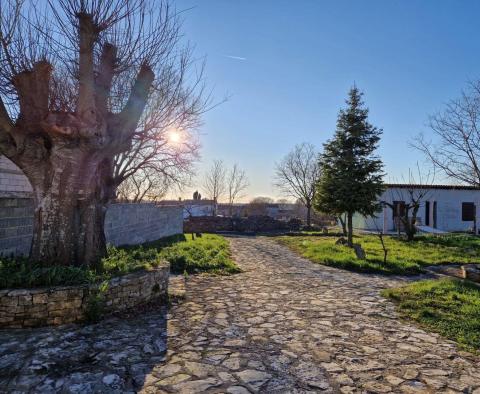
236 57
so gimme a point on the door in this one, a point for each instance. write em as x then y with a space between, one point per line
398 212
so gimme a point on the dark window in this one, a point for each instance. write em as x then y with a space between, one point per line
468 211
427 213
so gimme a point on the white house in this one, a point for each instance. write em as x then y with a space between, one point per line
443 207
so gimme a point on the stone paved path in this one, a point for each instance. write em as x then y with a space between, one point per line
284 325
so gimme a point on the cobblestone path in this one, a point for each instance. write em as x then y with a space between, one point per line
284 325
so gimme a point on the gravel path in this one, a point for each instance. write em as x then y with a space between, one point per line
284 325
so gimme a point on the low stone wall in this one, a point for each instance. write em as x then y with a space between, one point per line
125 224
20 308
211 224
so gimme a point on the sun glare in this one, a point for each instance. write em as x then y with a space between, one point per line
174 137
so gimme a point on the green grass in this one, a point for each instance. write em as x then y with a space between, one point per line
209 253
450 307
403 257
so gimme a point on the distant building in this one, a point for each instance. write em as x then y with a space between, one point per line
443 207
192 207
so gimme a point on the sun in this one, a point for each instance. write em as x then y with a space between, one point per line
174 136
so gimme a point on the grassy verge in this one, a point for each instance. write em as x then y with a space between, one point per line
210 253
450 307
403 257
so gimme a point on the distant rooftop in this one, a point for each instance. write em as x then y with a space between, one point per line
443 187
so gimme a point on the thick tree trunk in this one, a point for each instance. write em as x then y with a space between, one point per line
70 202
69 231
350 229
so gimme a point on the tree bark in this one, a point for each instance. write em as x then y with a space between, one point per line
309 213
69 233
350 229
70 202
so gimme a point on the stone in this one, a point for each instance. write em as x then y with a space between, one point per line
410 373
232 363
174 379
359 251
377 387
341 241
199 370
414 387
167 370
321 355
254 379
237 390
111 380
471 272
344 380
394 380
197 386
332 367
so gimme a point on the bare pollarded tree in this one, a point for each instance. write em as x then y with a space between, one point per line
237 182
214 183
455 146
406 201
86 86
297 175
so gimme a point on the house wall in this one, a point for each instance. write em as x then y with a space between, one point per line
125 224
449 209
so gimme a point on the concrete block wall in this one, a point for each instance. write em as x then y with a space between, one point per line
131 224
125 224
12 179
16 226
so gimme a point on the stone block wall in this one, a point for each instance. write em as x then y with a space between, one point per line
260 223
20 308
125 224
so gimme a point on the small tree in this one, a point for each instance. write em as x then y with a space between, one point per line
236 184
196 195
414 195
351 174
214 183
297 175
258 206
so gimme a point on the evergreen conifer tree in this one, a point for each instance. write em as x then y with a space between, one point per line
351 179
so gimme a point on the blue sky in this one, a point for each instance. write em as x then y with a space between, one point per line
301 57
